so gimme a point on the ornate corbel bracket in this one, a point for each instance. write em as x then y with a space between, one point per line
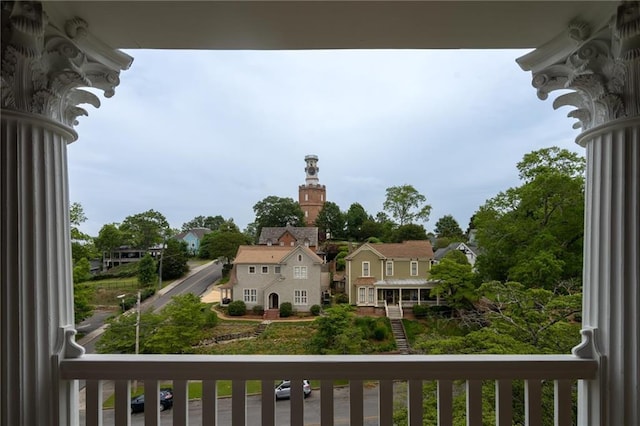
44 69
588 347
67 345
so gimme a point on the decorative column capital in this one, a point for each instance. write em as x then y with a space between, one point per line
44 68
601 69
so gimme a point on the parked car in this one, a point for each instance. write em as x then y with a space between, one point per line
283 390
166 401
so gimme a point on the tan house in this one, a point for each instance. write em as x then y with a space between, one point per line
390 274
270 275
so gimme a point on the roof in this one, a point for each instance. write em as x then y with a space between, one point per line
416 249
441 252
299 233
409 282
269 254
198 232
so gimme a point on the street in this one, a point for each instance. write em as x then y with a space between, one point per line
253 407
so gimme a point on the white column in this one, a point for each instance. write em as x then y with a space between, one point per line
603 70
42 67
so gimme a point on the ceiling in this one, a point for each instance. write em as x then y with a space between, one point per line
328 24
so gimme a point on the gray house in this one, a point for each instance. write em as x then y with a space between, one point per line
271 275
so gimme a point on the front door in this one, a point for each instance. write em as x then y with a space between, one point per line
273 301
390 297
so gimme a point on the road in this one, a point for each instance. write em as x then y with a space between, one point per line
197 283
253 406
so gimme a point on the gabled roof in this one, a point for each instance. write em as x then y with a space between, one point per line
441 252
197 232
270 254
299 233
416 249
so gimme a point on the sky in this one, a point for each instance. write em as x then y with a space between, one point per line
206 133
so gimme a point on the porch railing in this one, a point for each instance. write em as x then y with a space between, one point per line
563 370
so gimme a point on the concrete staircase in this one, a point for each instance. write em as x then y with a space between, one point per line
394 312
271 314
398 333
261 328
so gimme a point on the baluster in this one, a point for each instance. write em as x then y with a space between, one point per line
268 403
504 402
151 403
533 402
474 402
445 403
180 403
385 402
414 400
94 402
123 402
356 405
238 403
209 402
562 402
297 400
326 403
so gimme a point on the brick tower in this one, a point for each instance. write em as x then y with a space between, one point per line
312 195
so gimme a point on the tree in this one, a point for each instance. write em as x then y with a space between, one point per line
81 243
222 244
405 204
145 230
147 271
533 233
174 259
448 227
331 221
408 232
82 307
335 332
209 222
355 218
277 212
82 271
109 238
120 334
455 281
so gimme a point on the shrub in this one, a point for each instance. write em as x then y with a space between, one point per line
286 309
341 298
380 333
237 308
421 311
315 310
257 310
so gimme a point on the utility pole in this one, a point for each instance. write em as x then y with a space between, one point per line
135 382
164 242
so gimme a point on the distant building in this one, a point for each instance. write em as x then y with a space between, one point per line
311 195
289 236
193 237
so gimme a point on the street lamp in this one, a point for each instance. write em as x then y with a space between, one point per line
121 297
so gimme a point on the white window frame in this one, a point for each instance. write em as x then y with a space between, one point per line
300 273
250 295
262 269
300 297
389 267
277 269
372 293
366 267
362 295
252 269
414 268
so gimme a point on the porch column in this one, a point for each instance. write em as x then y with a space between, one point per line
42 68
602 68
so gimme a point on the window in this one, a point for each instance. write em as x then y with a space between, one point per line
281 243
362 294
299 272
276 269
252 269
306 243
299 258
321 197
250 295
265 269
306 213
299 297
414 268
365 269
268 242
306 197
389 268
371 295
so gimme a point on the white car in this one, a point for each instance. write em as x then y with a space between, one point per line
283 390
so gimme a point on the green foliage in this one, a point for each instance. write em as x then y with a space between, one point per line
408 232
76 218
85 249
147 271
341 263
82 307
222 244
277 212
109 238
180 325
455 283
237 308
405 204
209 222
331 221
420 311
257 310
341 298
145 230
315 310
533 233
82 271
355 217
286 309
174 259
448 227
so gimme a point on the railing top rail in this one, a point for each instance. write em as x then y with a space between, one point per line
362 367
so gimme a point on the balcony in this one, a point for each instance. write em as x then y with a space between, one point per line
454 375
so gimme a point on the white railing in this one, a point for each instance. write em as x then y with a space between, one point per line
446 370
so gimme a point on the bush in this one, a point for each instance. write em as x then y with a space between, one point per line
286 309
341 298
258 310
380 333
421 311
315 310
237 308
